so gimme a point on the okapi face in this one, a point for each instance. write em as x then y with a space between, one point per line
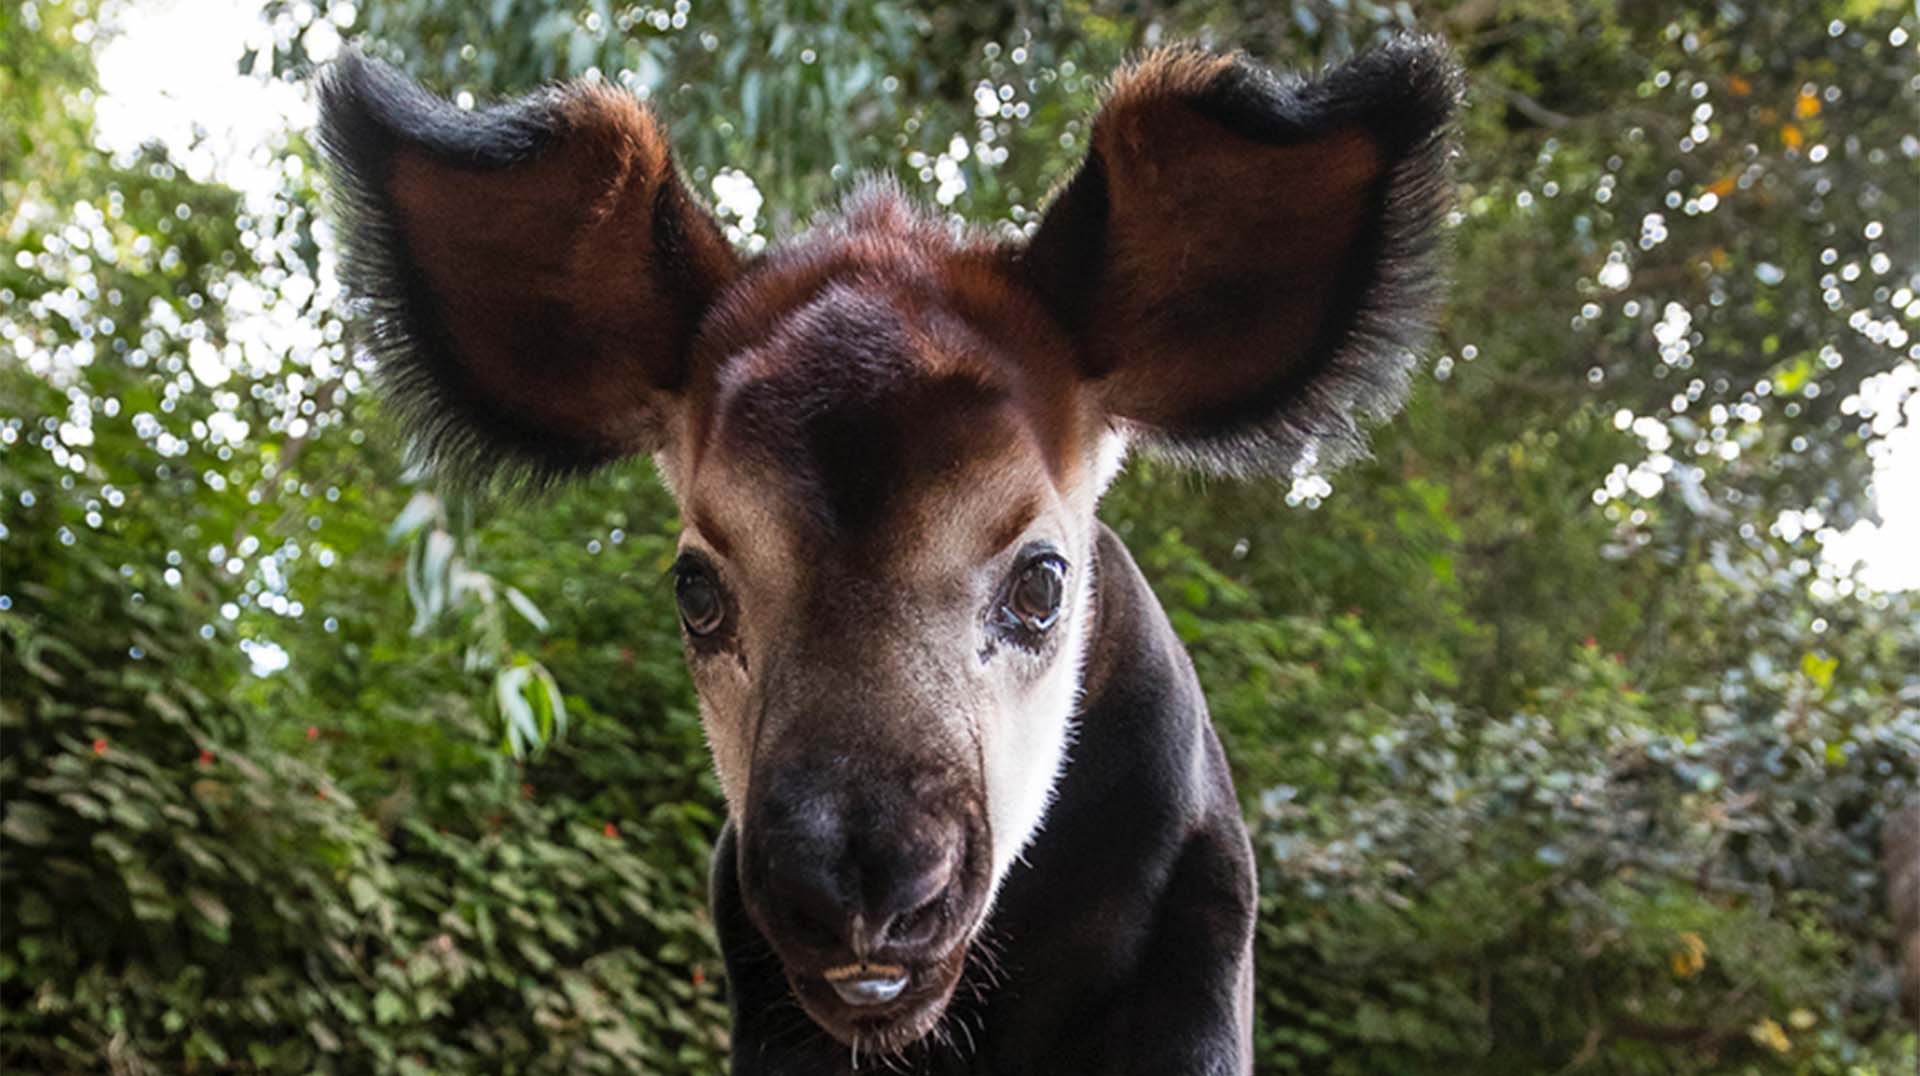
888 439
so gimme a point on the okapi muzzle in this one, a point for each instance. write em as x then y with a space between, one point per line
977 818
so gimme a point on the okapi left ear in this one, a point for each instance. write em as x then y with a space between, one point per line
530 276
1245 261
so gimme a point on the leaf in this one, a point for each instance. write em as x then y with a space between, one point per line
149 895
210 907
421 508
214 794
434 561
525 607
417 592
388 1007
28 822
1819 670
523 732
1790 379
363 892
323 1037
556 704
115 848
750 98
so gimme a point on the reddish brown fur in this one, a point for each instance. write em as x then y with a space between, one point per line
1241 280
540 260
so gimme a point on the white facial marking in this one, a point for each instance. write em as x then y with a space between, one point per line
1025 747
1112 457
1027 743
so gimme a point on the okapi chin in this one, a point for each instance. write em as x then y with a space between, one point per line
977 818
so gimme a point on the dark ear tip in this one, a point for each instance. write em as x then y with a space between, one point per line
349 89
346 83
1421 84
1413 85
1405 92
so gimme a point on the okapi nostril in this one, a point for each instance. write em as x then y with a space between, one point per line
910 928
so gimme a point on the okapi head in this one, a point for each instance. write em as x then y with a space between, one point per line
887 438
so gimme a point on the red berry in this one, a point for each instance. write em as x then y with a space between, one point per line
100 746
610 830
206 758
313 732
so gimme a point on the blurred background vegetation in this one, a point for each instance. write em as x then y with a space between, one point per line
1564 725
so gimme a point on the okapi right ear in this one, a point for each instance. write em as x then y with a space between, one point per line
531 274
1245 261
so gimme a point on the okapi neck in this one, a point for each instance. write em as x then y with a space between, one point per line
1103 655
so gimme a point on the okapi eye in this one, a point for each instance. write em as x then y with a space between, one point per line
1034 601
702 607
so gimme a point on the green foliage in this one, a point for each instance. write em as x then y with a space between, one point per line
1564 746
192 886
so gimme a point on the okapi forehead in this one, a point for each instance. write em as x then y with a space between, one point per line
882 367
854 421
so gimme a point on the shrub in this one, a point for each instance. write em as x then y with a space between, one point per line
186 894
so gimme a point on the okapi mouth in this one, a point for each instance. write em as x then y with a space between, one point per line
881 1009
866 984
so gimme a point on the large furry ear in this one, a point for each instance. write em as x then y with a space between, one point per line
1246 260
531 275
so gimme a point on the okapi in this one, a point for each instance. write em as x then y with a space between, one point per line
959 742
